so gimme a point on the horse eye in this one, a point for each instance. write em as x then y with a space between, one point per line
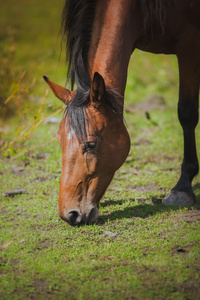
89 146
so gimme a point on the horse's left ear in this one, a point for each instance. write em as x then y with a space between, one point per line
60 92
98 90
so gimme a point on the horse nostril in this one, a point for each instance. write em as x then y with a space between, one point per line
92 215
74 217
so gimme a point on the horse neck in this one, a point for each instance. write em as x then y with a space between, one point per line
112 42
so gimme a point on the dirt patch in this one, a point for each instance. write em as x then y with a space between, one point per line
148 104
40 156
191 216
40 285
191 288
41 227
186 248
177 249
143 188
5 212
20 212
42 179
142 141
41 290
44 244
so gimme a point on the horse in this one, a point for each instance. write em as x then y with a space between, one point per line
100 36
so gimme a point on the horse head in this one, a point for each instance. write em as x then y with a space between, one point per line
94 143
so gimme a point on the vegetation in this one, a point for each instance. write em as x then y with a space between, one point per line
138 249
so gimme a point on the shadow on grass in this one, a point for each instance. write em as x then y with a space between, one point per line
138 211
141 210
155 200
112 202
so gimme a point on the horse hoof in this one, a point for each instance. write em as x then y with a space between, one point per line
180 199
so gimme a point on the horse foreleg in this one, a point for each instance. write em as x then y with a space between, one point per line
188 105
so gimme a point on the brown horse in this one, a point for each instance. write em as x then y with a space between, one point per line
100 38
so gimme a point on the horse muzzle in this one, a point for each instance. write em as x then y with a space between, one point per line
76 217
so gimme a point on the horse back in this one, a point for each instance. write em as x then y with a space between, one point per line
178 27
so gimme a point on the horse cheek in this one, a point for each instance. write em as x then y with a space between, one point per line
90 164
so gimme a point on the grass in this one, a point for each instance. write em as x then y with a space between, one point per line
138 249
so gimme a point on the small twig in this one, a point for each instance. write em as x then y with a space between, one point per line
16 90
14 192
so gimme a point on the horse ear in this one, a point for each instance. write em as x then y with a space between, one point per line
98 90
60 92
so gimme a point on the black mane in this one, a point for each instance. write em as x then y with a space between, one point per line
76 28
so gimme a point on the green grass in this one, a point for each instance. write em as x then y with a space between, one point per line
154 253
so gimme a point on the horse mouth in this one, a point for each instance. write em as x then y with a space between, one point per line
74 217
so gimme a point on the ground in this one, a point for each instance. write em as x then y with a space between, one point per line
138 248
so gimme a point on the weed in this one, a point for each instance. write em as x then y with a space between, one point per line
13 92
